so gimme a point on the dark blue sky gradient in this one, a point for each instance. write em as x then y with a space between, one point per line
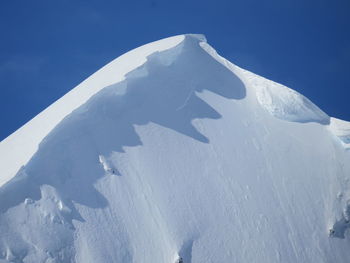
48 47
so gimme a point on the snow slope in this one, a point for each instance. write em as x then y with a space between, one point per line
19 147
171 151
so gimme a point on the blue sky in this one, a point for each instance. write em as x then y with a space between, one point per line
48 47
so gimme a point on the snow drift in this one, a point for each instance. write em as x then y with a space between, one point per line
171 153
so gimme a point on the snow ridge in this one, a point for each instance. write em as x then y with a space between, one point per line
178 160
19 147
287 104
76 153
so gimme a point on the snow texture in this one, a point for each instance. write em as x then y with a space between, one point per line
287 104
171 153
17 149
341 129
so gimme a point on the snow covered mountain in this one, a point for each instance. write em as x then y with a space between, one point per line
170 153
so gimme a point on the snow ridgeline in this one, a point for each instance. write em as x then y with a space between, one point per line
285 103
17 149
82 148
282 102
204 173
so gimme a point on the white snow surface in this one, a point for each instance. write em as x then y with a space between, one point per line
171 153
287 104
341 129
19 147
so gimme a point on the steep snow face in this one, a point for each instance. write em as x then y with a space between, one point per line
187 158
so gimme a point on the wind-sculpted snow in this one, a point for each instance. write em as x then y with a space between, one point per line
19 147
179 162
341 129
66 159
287 104
280 101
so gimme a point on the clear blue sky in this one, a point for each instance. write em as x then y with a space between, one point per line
47 47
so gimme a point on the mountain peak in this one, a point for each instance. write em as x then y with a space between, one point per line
171 153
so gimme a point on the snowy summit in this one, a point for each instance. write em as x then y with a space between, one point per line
170 153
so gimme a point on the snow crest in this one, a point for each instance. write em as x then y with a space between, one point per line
17 149
84 149
341 129
287 104
203 173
